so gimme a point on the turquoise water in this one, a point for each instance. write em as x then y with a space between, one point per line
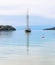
19 37
39 45
35 38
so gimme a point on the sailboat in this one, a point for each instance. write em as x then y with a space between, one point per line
27 29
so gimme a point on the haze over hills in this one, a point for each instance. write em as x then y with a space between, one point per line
20 20
39 27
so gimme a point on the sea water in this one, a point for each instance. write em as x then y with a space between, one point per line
21 48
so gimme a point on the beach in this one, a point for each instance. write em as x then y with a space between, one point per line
17 55
28 60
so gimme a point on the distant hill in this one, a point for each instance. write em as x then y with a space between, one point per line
53 28
38 27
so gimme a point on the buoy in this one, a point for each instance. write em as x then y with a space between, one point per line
43 37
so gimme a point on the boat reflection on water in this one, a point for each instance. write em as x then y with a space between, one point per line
27 40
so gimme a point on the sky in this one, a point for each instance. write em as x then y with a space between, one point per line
15 8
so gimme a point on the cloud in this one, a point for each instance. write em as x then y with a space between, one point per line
18 20
12 20
36 7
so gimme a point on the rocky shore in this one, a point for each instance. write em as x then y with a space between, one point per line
7 28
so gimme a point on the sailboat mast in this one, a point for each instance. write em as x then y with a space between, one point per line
27 19
28 29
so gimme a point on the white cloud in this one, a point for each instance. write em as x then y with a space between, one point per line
14 23
36 7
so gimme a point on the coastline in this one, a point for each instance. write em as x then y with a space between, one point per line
29 60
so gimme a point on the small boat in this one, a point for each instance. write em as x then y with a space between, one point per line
27 29
43 37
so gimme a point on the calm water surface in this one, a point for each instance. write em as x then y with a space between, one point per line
38 46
